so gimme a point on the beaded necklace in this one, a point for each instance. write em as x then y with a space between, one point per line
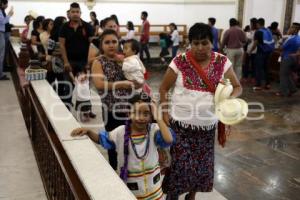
133 145
124 168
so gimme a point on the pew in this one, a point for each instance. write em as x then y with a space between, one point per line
155 30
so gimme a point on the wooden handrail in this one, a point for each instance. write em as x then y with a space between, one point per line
182 29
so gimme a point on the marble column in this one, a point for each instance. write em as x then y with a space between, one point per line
240 14
288 15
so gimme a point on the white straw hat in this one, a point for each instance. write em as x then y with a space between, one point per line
33 14
223 91
232 111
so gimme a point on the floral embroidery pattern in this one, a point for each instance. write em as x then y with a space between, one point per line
191 79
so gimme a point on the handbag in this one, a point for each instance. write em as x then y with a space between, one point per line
34 71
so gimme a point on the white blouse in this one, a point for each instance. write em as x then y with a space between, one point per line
192 107
175 38
130 35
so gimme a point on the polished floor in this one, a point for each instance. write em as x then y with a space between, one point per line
261 159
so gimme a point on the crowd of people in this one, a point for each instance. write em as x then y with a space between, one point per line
135 127
250 51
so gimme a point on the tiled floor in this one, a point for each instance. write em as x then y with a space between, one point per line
19 174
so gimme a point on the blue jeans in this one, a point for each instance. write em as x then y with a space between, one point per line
261 68
174 51
2 52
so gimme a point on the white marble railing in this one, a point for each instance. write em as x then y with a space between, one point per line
16 45
95 173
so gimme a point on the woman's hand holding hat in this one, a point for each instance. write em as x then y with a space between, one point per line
230 110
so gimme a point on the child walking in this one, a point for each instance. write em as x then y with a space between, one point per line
163 43
136 144
82 95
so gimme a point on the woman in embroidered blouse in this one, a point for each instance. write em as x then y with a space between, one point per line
112 85
192 113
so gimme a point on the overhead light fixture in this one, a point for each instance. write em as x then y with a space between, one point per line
90 4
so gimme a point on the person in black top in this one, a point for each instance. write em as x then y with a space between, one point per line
36 44
94 23
57 72
74 38
58 22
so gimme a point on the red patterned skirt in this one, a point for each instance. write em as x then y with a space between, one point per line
192 166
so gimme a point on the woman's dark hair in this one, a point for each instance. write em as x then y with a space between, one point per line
274 26
130 25
27 17
93 14
135 45
102 24
200 31
46 22
247 28
106 20
174 25
102 36
36 23
115 18
57 24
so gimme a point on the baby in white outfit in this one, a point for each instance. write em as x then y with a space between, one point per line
133 68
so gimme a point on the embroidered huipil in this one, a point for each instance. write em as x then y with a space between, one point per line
191 102
144 178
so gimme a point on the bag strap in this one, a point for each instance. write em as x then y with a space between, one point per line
200 72
212 89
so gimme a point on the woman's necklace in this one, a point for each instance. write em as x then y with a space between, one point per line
133 145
